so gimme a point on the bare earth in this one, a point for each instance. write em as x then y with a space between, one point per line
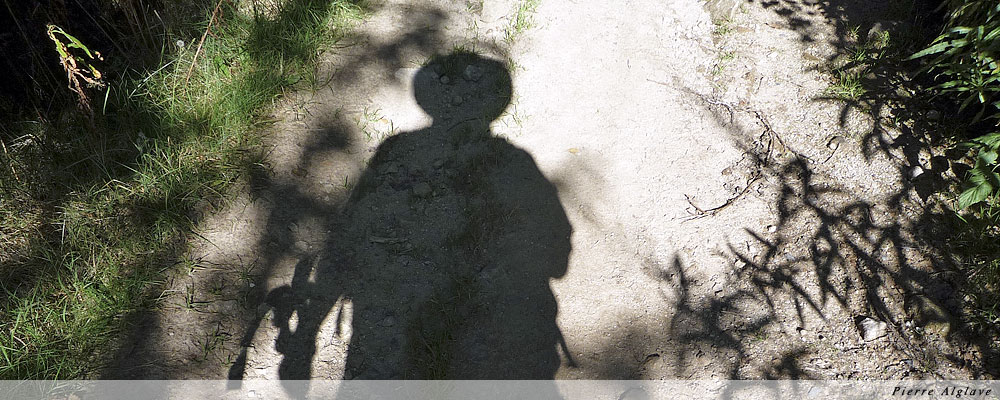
643 208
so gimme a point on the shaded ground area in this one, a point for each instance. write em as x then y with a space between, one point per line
636 211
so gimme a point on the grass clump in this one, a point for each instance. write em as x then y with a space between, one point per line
522 20
846 86
95 205
862 57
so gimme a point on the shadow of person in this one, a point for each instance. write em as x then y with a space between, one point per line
442 256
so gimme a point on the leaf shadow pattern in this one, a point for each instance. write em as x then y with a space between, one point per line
888 108
906 123
834 255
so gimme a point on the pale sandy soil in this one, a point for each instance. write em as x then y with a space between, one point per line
637 212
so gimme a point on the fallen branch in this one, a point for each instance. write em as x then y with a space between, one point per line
201 42
699 212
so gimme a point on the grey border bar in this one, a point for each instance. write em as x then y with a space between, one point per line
542 390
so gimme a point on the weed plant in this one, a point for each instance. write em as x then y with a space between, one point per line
963 62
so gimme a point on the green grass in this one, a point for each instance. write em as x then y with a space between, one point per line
522 20
857 60
846 86
93 215
721 60
723 27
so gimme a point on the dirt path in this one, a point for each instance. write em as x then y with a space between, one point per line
637 212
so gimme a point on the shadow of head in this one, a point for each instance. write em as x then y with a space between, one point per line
463 85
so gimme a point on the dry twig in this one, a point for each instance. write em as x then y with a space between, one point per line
202 41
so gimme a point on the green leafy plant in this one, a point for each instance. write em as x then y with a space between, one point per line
983 177
963 60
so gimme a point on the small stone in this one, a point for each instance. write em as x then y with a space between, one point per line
457 100
634 393
301 245
916 172
401 74
929 315
445 79
878 29
422 189
871 329
389 168
834 142
722 9
772 228
472 73
821 363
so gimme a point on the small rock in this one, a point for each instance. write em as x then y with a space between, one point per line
821 363
301 245
871 329
834 142
916 172
722 9
402 74
445 79
389 168
479 352
929 315
456 101
634 393
772 228
934 115
422 189
472 73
